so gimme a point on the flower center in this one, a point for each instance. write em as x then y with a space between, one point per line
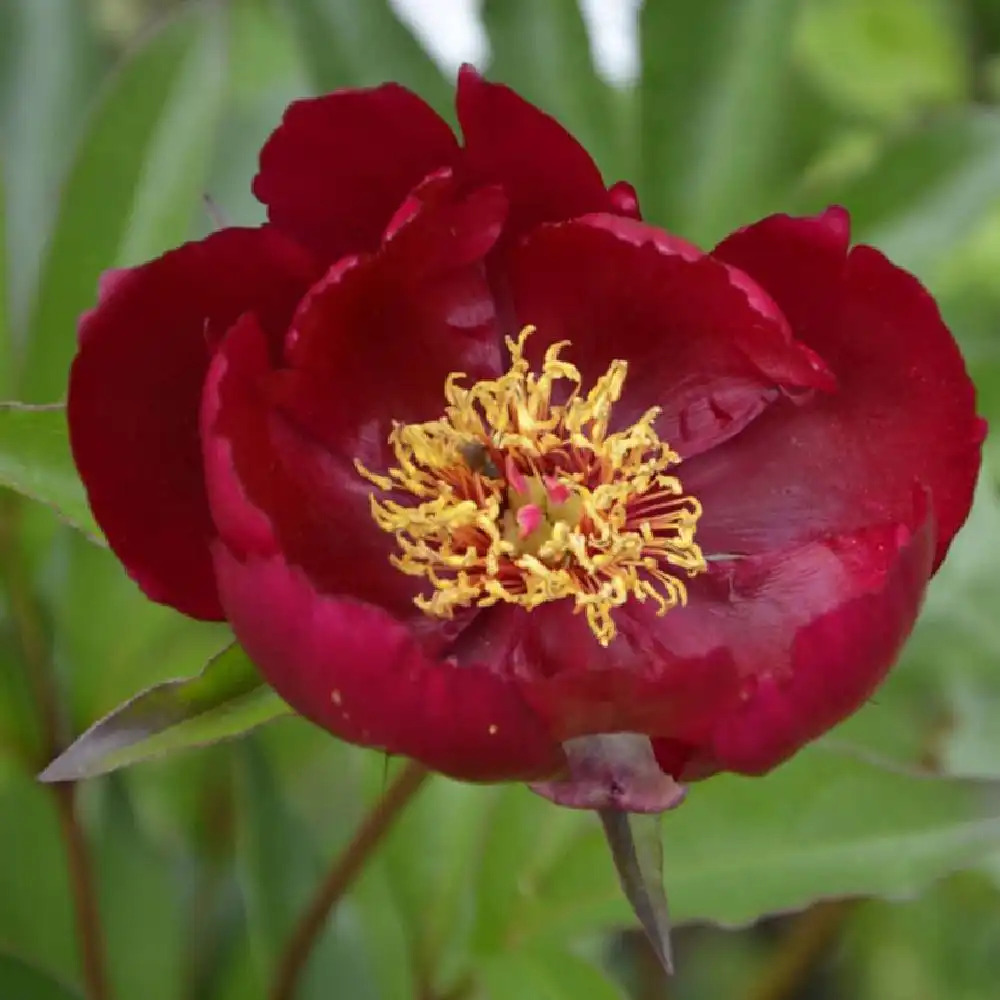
512 496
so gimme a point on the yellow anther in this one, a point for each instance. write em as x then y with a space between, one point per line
606 521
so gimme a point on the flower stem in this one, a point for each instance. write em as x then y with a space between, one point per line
88 918
29 627
346 867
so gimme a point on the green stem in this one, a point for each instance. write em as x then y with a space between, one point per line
32 640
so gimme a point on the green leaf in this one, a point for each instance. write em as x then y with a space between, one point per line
146 956
7 360
134 184
543 51
350 44
226 699
905 54
716 96
266 75
823 825
926 190
636 846
51 63
35 461
36 921
280 868
546 974
18 979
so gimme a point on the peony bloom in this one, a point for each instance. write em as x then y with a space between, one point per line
481 468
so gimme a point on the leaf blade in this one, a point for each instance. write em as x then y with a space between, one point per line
346 44
714 101
107 184
225 700
36 462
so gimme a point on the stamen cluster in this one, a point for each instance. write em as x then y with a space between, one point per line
511 496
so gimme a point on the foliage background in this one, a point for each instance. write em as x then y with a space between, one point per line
115 117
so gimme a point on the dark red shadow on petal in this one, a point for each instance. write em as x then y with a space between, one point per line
360 674
275 490
135 390
546 174
702 341
904 413
376 338
338 166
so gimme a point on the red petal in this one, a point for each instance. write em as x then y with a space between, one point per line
273 490
387 330
545 172
702 341
375 340
814 632
338 166
904 413
134 397
770 652
360 674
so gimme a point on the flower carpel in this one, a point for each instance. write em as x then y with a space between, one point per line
514 497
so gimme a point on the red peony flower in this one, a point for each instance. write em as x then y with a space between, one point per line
479 466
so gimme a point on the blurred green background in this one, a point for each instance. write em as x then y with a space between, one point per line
116 116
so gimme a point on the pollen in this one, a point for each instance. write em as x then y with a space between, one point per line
521 494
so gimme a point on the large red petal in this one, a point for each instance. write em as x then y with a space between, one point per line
338 166
702 341
769 652
904 412
820 627
134 398
545 172
359 673
375 340
372 343
273 489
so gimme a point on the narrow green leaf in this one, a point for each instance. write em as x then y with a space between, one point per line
350 44
280 868
35 461
926 190
35 921
134 184
226 699
543 51
7 358
823 825
637 853
51 63
715 100
147 954
20 980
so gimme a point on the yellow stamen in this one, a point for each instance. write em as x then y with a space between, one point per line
513 497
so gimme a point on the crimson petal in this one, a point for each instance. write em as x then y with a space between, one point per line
904 412
545 172
359 673
703 342
134 398
273 489
371 343
374 341
338 166
769 652
814 631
